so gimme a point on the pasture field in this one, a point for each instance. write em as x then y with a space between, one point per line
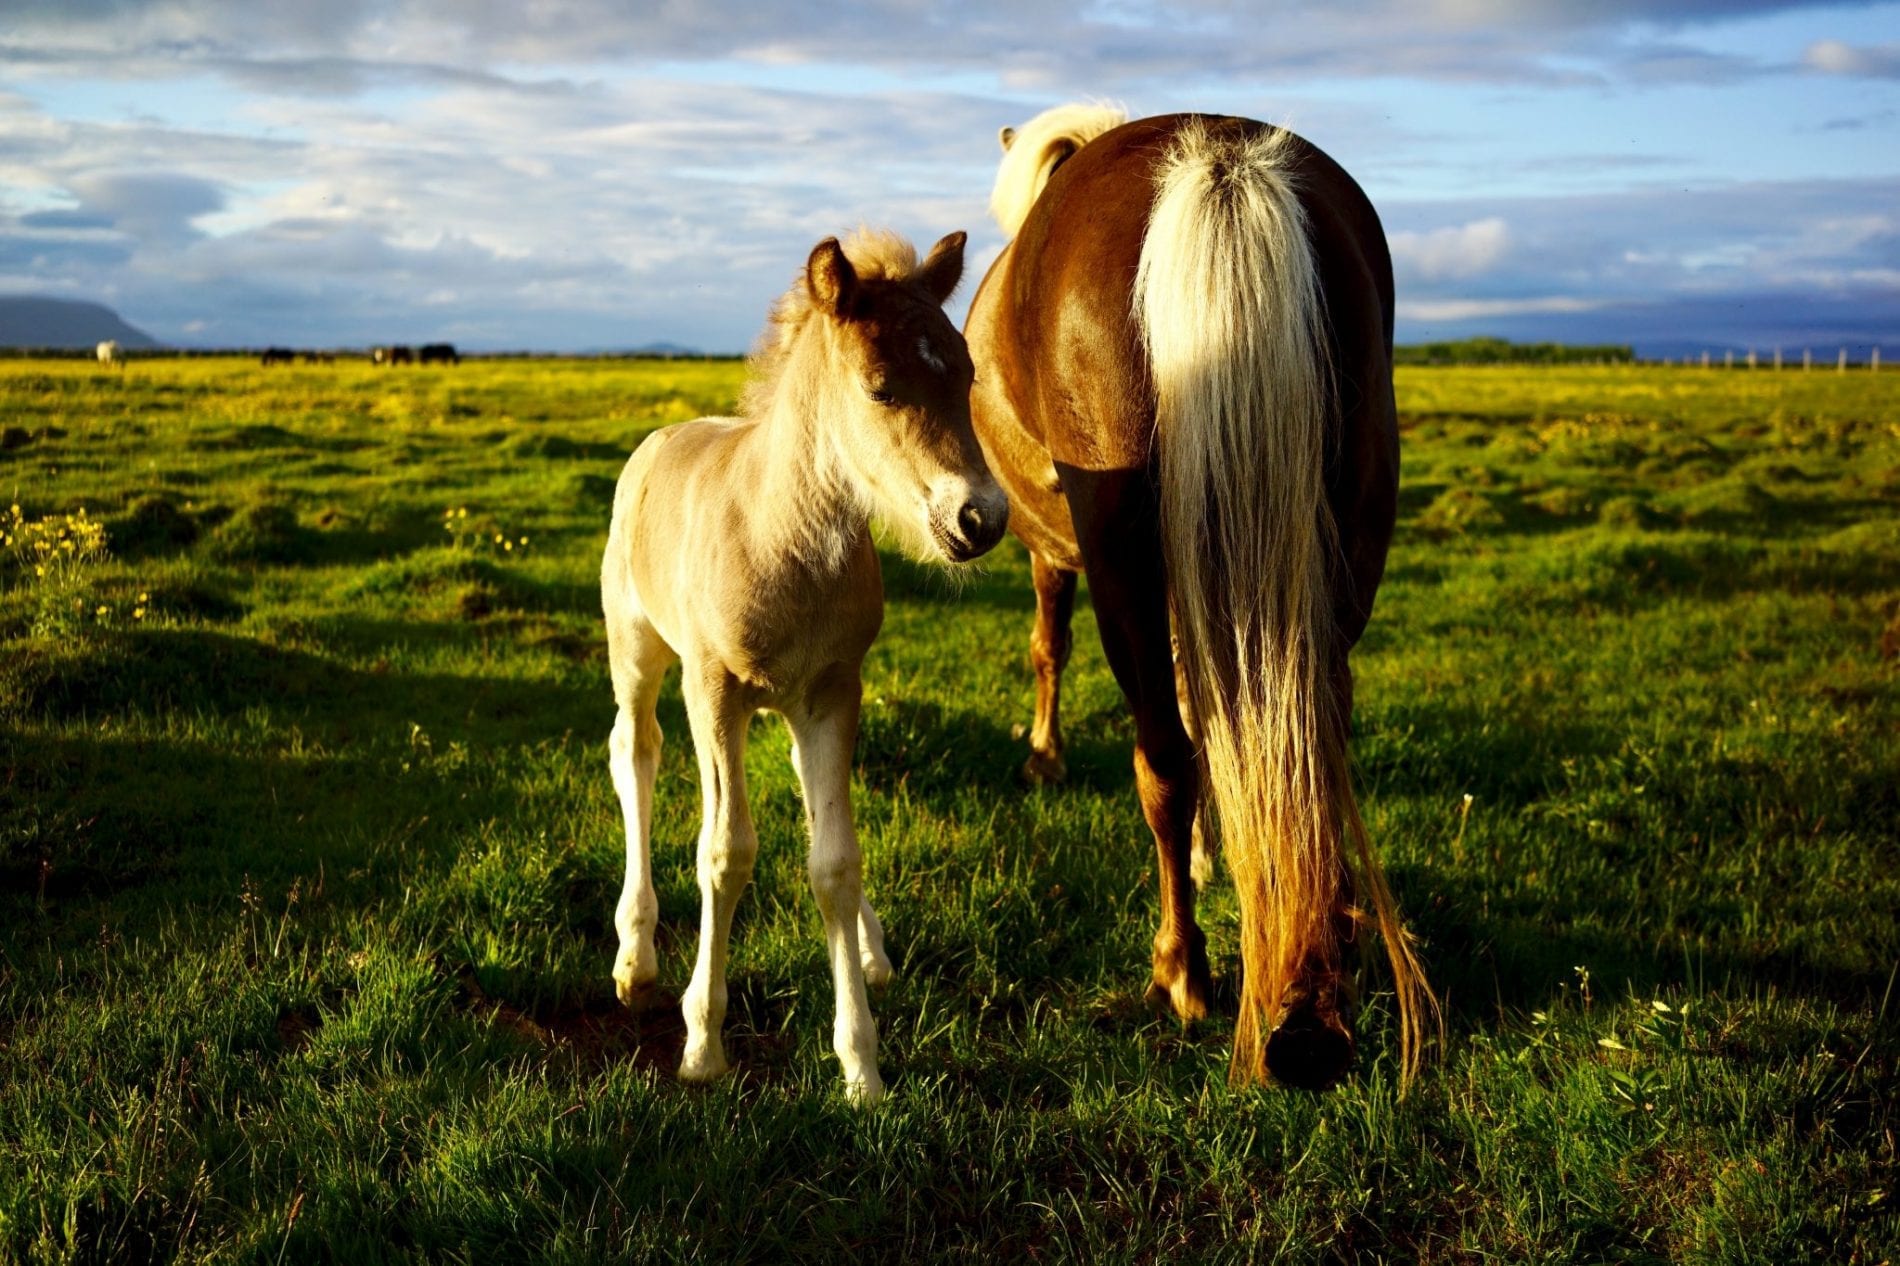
308 854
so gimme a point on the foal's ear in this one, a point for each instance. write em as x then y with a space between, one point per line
1005 136
829 278
943 269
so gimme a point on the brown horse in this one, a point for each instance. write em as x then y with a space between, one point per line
1184 382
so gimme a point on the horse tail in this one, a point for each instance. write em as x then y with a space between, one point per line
1227 299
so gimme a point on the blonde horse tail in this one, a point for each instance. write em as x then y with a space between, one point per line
1227 300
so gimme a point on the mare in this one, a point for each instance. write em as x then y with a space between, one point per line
1185 387
741 549
439 354
109 354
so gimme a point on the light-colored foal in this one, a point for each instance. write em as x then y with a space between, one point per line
741 549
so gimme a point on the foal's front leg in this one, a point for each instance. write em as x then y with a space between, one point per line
825 732
719 711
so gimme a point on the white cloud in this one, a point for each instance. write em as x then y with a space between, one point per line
1473 309
1461 251
1833 57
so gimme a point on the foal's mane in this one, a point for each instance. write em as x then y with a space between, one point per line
1038 148
875 255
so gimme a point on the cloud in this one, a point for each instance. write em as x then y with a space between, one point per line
1474 309
1832 57
351 46
585 173
155 207
1466 250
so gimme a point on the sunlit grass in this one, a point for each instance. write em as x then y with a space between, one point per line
307 870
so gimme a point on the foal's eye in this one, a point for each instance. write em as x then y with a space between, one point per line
879 397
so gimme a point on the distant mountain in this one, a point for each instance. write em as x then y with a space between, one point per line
33 321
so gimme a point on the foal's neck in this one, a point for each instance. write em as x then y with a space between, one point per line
802 506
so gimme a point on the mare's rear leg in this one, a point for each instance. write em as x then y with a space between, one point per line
826 730
1117 523
1206 830
719 709
1049 646
640 660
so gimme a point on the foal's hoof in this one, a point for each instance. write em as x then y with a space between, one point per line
1309 1051
703 1065
1044 769
632 990
864 1092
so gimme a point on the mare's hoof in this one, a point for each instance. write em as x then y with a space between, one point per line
1309 1051
877 972
1044 769
1181 975
1185 996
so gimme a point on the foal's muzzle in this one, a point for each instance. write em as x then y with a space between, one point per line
970 526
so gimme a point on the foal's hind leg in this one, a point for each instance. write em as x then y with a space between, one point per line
1049 645
640 659
826 730
719 710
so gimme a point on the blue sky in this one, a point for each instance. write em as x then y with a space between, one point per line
577 174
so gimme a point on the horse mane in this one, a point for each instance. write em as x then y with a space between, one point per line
875 255
1038 148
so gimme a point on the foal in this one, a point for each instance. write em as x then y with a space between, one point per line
741 547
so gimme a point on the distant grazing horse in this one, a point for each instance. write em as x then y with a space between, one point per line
741 548
277 356
1185 385
439 354
397 355
109 355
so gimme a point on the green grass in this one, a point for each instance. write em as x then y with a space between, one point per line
308 853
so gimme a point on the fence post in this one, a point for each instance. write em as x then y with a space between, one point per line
1777 359
1728 359
1807 359
1840 365
1705 360
1873 362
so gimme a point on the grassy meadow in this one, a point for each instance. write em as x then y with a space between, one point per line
308 855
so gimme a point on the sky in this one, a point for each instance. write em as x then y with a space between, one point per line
583 174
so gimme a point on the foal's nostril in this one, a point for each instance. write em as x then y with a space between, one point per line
970 521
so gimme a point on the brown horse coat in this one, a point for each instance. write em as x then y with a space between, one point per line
1066 404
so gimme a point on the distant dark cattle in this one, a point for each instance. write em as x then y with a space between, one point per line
277 356
440 354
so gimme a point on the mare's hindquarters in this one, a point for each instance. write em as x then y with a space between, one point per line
1228 298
